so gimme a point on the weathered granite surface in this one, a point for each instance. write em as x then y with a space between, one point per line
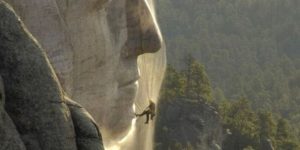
186 121
93 46
9 136
33 96
34 102
88 136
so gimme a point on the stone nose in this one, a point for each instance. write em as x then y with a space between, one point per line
143 32
151 36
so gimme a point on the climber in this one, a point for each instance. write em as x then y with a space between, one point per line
149 111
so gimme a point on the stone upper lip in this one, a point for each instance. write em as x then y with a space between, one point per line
129 82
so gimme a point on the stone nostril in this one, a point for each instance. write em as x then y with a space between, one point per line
143 33
151 38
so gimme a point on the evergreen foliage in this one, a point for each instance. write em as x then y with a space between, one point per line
191 83
198 84
250 48
173 84
247 128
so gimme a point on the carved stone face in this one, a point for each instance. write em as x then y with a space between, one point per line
93 46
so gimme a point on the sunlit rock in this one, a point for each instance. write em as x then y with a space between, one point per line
35 113
94 46
33 96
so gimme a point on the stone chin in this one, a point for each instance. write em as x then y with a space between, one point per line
121 114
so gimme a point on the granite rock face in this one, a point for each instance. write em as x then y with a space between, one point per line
183 122
88 136
35 113
9 136
33 96
93 46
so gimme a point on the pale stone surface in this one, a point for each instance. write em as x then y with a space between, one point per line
35 113
33 96
101 40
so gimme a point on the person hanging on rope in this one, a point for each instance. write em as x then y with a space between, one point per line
149 112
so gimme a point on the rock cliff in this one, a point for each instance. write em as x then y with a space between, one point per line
35 113
93 46
183 123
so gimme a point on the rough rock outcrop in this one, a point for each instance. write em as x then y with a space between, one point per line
9 136
94 51
33 96
93 46
34 100
88 136
183 122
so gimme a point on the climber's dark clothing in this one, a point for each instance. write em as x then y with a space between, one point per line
149 112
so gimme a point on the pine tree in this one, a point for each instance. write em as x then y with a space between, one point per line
284 138
173 84
197 83
267 129
282 129
242 121
267 125
188 74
